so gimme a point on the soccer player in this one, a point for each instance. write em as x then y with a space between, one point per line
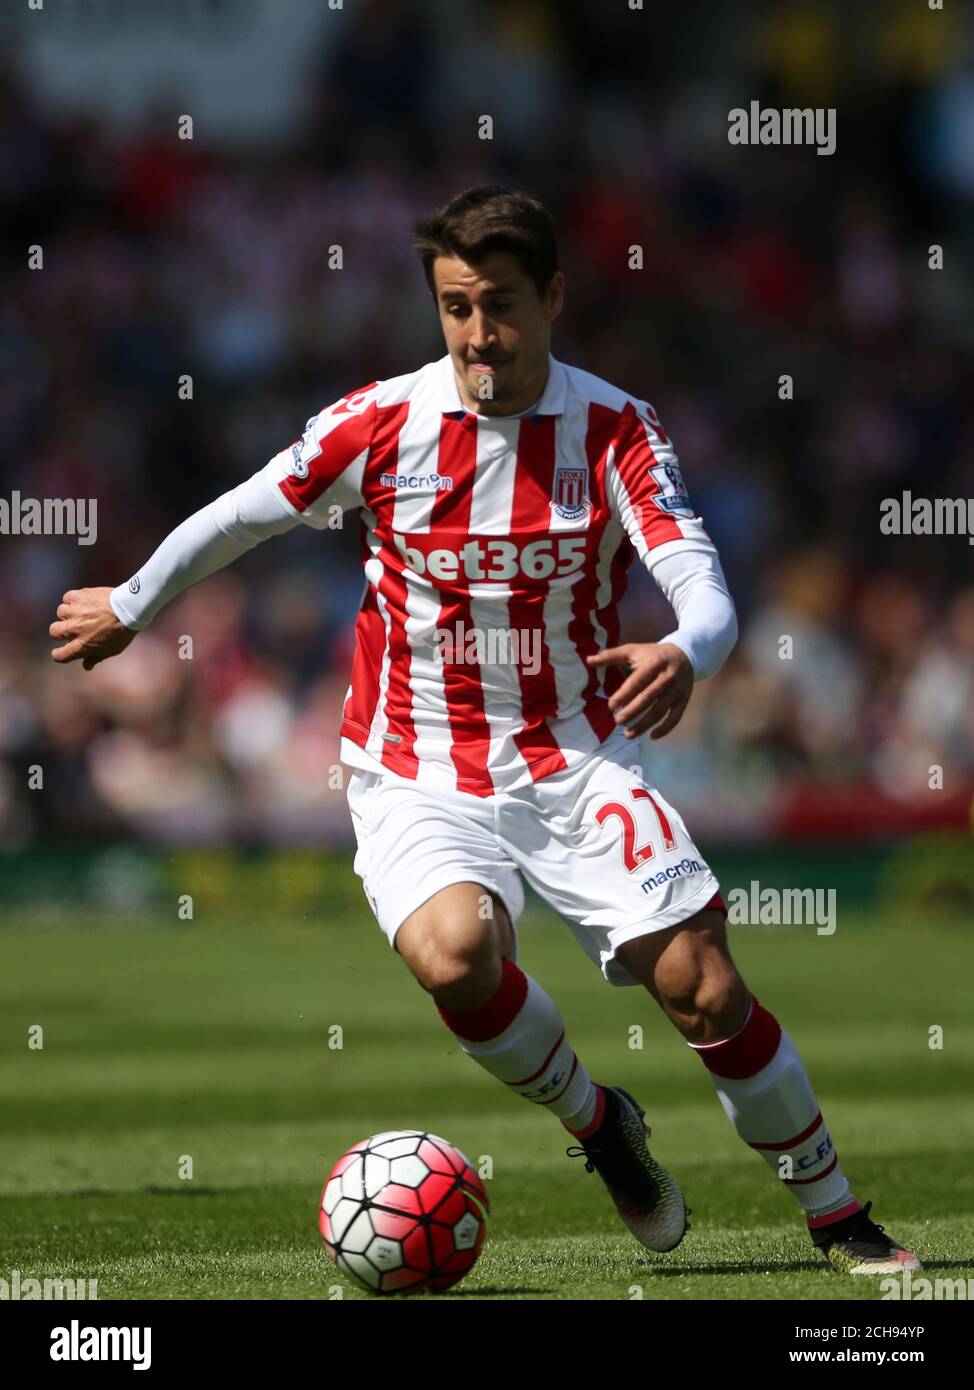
491 716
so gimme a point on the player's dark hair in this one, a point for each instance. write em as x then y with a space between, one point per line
485 219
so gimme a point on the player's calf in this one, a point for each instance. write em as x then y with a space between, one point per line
689 972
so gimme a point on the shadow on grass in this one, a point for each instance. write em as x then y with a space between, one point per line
187 1189
781 1267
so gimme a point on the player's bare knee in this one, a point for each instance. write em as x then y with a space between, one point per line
455 958
713 1008
463 980
722 1002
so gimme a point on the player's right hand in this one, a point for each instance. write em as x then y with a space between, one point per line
87 621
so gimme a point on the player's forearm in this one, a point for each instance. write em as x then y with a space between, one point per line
209 540
694 584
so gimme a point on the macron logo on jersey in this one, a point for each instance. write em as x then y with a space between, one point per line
417 480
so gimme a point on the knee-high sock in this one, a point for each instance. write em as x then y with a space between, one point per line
519 1037
766 1093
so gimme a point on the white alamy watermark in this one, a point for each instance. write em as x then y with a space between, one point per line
907 515
755 906
492 646
757 125
50 516
77 1343
21 1288
939 1290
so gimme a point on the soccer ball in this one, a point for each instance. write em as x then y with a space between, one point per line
404 1211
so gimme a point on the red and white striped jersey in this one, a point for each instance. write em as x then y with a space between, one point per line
496 550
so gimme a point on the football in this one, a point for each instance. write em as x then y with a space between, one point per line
404 1211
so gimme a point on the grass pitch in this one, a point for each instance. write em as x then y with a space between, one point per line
163 1043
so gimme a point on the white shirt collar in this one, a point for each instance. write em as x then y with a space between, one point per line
552 401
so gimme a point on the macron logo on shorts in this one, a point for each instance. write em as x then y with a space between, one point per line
685 866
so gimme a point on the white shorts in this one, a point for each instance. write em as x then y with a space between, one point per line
596 842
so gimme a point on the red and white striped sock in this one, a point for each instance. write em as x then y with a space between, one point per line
763 1087
519 1037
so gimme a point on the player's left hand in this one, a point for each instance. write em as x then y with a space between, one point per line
656 692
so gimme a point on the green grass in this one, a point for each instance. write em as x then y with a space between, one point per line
212 1042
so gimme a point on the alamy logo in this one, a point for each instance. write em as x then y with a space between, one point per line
22 1290
50 516
772 907
77 1343
925 516
906 1287
790 126
494 646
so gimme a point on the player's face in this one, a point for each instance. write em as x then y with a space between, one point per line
496 327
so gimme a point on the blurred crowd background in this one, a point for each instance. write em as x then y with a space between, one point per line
209 257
